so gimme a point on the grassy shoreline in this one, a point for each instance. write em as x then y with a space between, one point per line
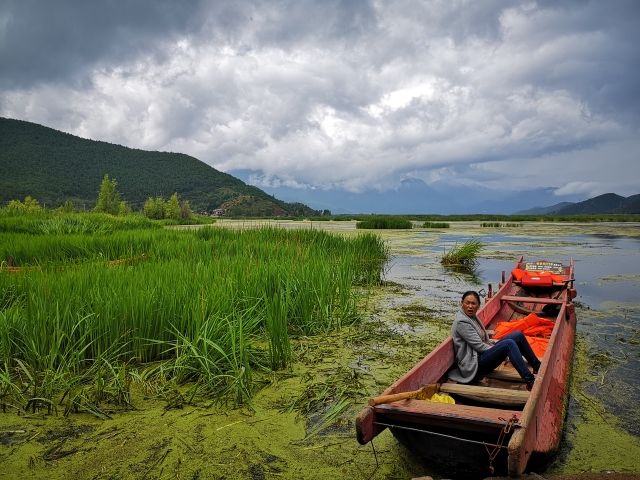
169 434
81 313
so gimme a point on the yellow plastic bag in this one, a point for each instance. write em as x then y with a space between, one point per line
442 398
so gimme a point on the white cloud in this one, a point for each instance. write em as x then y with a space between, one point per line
582 188
471 94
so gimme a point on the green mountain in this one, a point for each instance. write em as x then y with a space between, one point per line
54 166
544 210
630 204
607 203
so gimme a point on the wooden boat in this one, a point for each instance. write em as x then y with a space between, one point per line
495 423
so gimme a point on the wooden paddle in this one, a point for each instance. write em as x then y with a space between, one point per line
424 393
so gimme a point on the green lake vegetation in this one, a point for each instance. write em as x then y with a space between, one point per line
298 425
500 225
180 393
385 222
435 225
595 441
91 302
464 255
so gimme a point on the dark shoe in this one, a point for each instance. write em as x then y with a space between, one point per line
536 368
530 385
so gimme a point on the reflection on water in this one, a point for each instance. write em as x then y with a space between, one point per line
470 274
607 268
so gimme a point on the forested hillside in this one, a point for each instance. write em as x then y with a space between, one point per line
608 203
53 167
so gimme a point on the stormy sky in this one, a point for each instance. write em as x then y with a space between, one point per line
343 95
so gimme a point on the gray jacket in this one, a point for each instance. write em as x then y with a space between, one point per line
469 339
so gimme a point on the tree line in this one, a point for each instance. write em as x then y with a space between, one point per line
110 201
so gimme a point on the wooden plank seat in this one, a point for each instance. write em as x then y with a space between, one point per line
498 393
499 396
548 301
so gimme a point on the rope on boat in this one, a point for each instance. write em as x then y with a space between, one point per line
485 444
375 455
501 439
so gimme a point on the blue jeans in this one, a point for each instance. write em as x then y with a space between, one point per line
514 346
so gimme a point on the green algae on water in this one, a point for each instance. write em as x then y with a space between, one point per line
594 441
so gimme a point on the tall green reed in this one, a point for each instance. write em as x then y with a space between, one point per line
463 255
202 302
385 223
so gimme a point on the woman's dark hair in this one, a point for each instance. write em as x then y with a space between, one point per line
471 292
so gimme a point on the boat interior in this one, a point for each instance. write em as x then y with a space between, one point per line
503 387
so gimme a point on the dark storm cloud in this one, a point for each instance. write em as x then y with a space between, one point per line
42 41
596 53
287 23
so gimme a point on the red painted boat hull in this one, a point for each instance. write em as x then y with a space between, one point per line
454 436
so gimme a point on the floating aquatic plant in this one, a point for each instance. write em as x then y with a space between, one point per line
465 254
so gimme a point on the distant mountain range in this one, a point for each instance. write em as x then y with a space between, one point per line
607 203
54 166
413 196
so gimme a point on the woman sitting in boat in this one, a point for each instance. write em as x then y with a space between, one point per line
477 355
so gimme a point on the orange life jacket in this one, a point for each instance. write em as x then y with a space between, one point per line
537 278
536 329
538 345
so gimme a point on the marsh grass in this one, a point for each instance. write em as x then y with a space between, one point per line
47 222
385 223
435 225
463 255
206 307
500 225
324 399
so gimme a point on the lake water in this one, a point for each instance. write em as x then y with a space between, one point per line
607 270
